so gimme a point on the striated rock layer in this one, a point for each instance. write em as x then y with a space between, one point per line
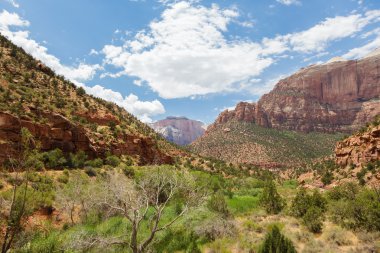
179 130
59 132
337 96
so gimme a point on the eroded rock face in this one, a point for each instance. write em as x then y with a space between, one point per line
359 149
60 133
179 130
337 96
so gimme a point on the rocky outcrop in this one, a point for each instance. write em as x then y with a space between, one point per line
60 133
179 130
336 96
359 149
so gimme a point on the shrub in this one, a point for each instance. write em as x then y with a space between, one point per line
96 163
310 208
112 160
275 242
90 172
271 199
128 171
347 191
78 160
362 212
327 178
313 219
54 159
218 203
63 179
80 91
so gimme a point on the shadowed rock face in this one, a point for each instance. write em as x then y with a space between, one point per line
337 96
179 130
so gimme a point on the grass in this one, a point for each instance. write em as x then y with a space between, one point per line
242 204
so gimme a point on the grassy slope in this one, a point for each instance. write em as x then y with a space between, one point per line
249 143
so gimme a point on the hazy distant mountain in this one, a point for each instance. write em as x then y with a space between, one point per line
179 130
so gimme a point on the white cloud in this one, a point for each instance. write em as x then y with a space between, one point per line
185 53
82 72
331 29
360 52
144 110
289 2
13 3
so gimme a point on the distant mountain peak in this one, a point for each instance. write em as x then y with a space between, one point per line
179 130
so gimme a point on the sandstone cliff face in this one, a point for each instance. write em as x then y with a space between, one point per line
337 96
359 149
60 133
179 130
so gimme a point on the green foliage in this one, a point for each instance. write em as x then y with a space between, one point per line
313 219
347 191
242 204
128 171
358 210
80 91
54 159
275 242
327 178
96 163
91 172
78 160
218 203
310 208
271 199
113 160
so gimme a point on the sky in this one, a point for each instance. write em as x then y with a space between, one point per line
193 58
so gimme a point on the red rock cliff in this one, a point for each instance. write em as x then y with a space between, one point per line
337 96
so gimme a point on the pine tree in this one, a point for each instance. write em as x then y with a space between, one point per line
271 199
275 242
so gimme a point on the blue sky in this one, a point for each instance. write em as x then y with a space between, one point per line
187 58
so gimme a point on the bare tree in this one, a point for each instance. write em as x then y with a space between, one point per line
74 197
14 209
144 199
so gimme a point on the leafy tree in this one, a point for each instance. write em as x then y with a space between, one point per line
275 242
271 199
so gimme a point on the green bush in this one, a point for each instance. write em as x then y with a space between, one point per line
347 191
310 208
90 172
128 171
78 160
362 212
113 160
275 242
54 159
313 219
96 163
218 203
271 199
327 178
